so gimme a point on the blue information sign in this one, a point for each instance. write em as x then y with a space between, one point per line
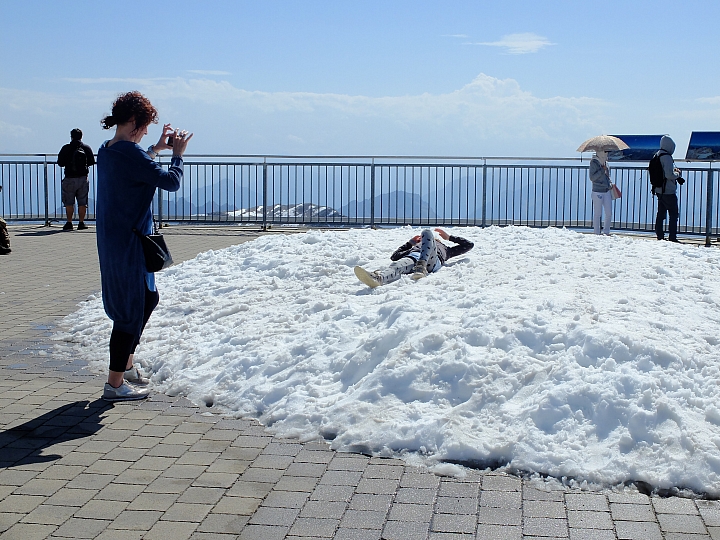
704 146
642 148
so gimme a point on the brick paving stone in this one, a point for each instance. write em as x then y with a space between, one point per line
82 528
341 478
586 501
197 458
631 512
582 519
7 520
637 530
237 505
162 530
314 527
243 488
415 495
377 486
223 523
685 536
458 489
674 505
46 514
314 456
40 486
255 474
263 532
500 516
332 493
419 480
63 472
591 534
236 453
628 498
411 513
366 501
90 481
492 482
107 510
498 532
363 519
297 483
357 534
711 516
456 505
28 531
314 470
227 466
501 499
398 530
391 472
681 524
14 477
140 520
454 523
207 495
274 516
532 494
212 536
272 461
169 485
323 509
544 509
120 492
71 497
219 480
557 528
348 463
194 512
285 499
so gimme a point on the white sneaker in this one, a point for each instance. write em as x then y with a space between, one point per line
133 376
371 279
419 270
124 392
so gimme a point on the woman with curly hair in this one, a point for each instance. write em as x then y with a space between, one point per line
127 177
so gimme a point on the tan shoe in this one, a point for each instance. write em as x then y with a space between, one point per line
371 279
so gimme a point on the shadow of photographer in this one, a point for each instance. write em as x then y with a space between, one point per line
24 444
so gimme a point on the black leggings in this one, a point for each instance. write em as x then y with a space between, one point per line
123 344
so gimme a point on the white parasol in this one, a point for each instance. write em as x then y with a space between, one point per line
606 143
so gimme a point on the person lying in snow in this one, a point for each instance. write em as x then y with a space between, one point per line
418 256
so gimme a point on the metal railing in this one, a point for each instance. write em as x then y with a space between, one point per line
346 191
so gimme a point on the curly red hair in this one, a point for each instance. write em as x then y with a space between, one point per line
131 106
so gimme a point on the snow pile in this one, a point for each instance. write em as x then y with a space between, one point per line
562 353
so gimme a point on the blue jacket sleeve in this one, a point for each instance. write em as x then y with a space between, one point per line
152 173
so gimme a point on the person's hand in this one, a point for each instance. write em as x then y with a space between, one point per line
443 234
161 144
415 239
181 138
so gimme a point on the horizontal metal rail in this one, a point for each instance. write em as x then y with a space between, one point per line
349 191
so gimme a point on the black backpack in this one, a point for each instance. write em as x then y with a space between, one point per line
656 172
80 161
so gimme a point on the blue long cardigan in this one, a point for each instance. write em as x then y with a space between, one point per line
126 182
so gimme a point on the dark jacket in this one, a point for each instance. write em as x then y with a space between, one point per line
667 147
444 252
126 182
65 159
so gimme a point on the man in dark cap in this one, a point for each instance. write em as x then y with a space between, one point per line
76 157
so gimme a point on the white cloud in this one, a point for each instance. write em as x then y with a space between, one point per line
207 72
520 43
486 117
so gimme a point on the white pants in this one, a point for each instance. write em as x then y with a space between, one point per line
602 201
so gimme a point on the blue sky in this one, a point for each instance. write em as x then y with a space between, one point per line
474 78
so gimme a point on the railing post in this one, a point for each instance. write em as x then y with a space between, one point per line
264 221
484 195
709 206
47 196
372 194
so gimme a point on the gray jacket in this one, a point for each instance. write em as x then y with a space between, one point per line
599 178
668 164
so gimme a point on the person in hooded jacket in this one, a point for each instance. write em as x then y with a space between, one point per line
601 196
667 200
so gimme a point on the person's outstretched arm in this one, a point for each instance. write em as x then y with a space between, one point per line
403 250
463 245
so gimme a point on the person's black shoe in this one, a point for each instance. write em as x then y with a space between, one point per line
82 226
674 240
68 226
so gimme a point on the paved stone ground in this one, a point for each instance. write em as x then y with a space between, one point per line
72 466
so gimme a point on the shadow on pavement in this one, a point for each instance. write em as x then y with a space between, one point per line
24 444
43 232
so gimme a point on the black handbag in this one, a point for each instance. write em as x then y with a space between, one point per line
157 254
